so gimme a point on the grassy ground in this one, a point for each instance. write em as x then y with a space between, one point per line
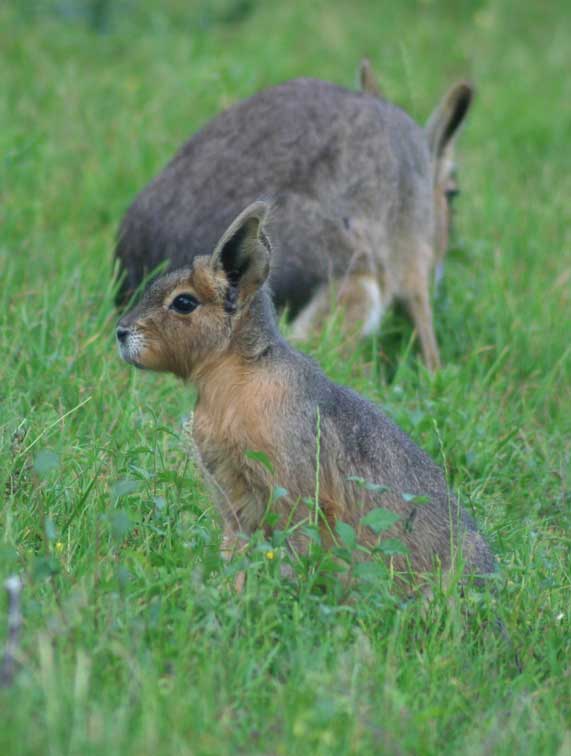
133 641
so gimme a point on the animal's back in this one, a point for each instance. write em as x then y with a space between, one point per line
357 440
345 170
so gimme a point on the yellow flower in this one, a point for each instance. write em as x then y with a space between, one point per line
270 554
59 547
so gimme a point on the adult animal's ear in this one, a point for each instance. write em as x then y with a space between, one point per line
368 79
447 118
243 253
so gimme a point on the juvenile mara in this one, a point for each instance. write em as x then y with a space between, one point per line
213 324
362 200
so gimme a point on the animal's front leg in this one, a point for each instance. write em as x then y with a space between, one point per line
232 546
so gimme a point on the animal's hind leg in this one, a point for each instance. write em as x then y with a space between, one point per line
417 301
358 295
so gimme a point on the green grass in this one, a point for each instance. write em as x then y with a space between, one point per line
134 642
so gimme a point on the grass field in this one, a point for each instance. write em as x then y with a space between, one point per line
133 640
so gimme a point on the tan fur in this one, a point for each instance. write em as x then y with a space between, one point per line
256 394
208 286
445 187
368 80
185 288
254 397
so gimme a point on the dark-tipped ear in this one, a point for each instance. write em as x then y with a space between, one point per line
243 252
368 79
445 121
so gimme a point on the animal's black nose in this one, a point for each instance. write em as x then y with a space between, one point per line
122 334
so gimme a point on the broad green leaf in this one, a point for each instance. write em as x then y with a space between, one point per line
392 547
340 552
380 519
376 487
416 498
121 524
271 519
123 576
260 457
50 528
312 533
45 462
125 487
370 570
279 493
44 567
367 485
347 534
357 480
279 538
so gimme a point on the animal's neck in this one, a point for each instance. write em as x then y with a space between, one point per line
238 405
256 337
257 331
221 381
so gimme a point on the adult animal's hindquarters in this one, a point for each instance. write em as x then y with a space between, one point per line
361 201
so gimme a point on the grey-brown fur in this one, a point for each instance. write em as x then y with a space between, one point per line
359 191
257 393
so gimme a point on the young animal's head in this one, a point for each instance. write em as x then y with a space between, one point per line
441 129
191 316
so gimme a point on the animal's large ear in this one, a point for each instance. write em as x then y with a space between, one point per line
243 252
445 121
368 79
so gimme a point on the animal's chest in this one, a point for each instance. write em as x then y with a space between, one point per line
240 489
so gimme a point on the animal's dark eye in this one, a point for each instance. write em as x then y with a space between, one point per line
184 304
